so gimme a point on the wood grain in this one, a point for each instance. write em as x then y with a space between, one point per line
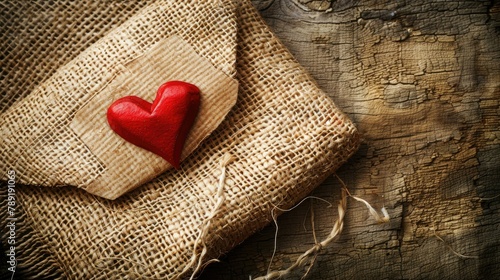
421 80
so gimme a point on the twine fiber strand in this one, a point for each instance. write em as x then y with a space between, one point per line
284 134
197 259
310 255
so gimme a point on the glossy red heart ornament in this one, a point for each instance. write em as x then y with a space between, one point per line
161 127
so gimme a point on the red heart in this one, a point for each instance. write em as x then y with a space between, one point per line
161 127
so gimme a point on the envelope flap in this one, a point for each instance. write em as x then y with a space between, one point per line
126 165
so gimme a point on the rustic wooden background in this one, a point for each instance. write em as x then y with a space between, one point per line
421 79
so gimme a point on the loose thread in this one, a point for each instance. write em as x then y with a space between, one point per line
275 220
313 226
381 219
313 251
451 249
205 226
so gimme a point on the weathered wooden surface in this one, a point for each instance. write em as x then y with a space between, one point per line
422 82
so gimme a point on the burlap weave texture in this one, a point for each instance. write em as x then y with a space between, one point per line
284 135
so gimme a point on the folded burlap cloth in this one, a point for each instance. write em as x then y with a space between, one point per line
63 61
